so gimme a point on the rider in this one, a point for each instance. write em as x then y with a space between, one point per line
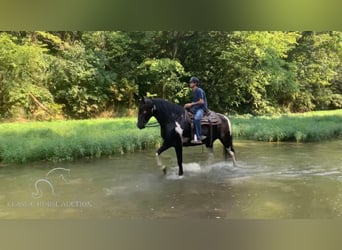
198 106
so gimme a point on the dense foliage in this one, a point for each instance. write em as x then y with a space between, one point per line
44 75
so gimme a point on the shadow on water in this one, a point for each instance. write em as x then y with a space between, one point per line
284 180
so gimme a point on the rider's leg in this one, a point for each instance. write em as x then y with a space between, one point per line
197 123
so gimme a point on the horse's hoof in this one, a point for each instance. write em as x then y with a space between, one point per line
164 170
180 176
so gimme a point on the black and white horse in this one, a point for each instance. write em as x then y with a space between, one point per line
176 129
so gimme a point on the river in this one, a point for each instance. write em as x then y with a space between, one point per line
272 180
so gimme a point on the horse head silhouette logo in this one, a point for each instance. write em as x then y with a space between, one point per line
39 193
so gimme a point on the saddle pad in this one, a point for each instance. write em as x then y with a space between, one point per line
209 117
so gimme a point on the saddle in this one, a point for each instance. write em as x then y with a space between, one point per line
209 118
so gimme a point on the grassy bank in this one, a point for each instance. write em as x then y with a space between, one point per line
68 140
306 127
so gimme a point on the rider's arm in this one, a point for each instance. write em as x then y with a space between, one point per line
200 101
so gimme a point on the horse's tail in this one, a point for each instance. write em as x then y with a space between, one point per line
227 137
230 133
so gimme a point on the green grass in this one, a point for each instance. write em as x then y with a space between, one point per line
306 127
68 140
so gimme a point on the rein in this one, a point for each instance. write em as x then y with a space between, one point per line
152 124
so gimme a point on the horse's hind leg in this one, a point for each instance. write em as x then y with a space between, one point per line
231 152
229 149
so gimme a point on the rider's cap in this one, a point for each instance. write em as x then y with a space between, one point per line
194 80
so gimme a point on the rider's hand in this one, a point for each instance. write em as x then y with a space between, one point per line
188 105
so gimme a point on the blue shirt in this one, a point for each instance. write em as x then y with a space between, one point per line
196 96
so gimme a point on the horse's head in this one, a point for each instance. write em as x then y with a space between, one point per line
146 108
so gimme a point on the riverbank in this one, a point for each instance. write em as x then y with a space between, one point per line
305 127
68 140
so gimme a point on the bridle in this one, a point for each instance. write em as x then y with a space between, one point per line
152 124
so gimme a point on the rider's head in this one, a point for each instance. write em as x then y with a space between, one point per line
194 81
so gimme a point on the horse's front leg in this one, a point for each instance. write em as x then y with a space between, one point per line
179 152
158 153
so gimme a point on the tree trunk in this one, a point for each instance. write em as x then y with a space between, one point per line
39 104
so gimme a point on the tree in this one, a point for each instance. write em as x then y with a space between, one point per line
23 74
84 74
74 85
245 72
162 77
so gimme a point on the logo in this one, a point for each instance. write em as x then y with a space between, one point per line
50 184
48 180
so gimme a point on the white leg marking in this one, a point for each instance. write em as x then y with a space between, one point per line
231 153
159 162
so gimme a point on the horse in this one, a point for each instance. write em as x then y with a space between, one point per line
176 129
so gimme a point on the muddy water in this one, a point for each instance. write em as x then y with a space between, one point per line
285 180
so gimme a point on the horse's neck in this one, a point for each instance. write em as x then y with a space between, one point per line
161 119
165 115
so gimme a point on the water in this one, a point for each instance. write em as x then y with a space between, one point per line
285 180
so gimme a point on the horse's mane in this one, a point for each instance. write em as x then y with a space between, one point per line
167 108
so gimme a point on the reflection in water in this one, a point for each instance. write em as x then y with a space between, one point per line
283 180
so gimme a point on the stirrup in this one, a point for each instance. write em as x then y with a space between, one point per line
196 142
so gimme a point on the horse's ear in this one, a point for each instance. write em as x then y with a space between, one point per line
143 99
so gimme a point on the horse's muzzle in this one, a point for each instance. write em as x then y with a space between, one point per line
140 125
